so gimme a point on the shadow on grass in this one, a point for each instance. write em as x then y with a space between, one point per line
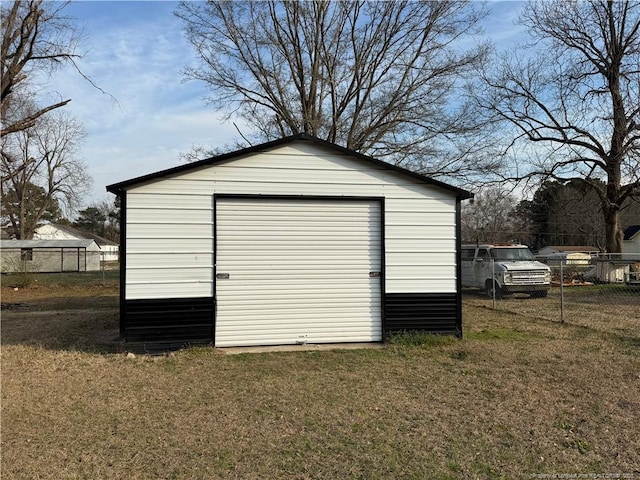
86 324
630 344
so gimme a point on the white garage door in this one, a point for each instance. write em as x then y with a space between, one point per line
297 271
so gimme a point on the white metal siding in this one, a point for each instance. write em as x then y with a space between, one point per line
631 246
172 218
169 246
298 271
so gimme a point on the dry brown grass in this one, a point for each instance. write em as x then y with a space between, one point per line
518 396
59 291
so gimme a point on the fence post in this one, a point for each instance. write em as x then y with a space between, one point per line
493 282
561 292
101 260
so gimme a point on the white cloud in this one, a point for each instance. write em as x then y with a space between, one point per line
501 25
136 51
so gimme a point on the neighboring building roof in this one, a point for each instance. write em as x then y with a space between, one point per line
117 188
631 231
83 234
84 243
571 248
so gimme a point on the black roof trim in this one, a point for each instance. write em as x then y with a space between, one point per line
630 231
117 188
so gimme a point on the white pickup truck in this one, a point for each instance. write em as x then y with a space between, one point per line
501 269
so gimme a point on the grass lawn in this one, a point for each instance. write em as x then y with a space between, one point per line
518 396
609 308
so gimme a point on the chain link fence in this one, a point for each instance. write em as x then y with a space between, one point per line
588 290
53 260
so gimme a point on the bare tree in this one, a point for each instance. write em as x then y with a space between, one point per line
41 170
376 77
491 217
577 99
36 38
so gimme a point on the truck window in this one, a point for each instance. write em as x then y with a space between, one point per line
467 253
483 253
511 254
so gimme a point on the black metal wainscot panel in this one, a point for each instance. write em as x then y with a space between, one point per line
422 312
169 321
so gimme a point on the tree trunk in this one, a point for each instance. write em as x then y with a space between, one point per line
614 235
617 151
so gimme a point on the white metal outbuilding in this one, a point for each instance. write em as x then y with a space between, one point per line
293 241
54 231
49 256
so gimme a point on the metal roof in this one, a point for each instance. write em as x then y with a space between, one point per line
8 244
117 188
573 248
80 234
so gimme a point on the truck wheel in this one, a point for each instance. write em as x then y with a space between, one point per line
489 286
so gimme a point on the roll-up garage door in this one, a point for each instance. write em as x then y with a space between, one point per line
297 271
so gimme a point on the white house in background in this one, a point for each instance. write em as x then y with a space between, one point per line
565 249
631 243
54 231
290 242
49 255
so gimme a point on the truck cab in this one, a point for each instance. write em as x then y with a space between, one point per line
504 268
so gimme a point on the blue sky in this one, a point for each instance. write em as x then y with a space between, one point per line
136 52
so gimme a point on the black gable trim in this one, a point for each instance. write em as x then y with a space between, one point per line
116 188
630 231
